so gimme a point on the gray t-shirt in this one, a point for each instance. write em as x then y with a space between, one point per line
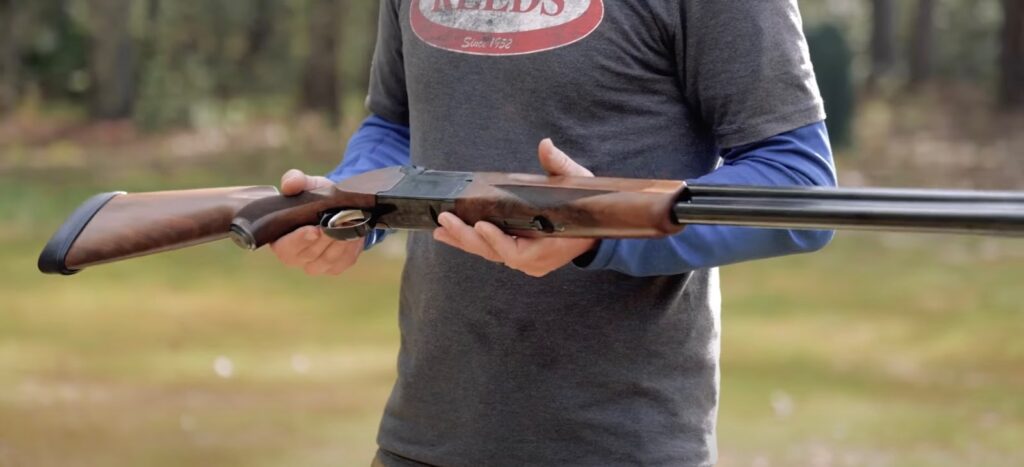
580 367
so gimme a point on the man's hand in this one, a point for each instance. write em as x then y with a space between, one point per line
536 257
308 248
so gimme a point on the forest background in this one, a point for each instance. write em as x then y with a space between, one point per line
885 349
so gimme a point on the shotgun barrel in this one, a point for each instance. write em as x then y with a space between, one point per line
922 210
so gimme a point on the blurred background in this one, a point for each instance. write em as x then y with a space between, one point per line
885 349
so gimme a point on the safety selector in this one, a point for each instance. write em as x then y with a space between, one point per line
348 224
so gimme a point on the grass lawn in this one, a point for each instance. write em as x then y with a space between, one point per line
894 350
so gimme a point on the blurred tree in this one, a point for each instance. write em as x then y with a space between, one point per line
360 27
258 33
175 78
1012 66
883 40
966 46
209 61
922 43
113 58
833 59
52 47
320 81
10 56
152 10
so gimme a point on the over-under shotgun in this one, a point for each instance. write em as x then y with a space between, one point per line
115 226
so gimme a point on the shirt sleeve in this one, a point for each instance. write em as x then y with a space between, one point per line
745 68
387 96
800 157
377 144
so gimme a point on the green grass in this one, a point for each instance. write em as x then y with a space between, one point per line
882 350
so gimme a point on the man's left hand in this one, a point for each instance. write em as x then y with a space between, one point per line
536 257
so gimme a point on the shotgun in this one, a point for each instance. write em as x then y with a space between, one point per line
116 226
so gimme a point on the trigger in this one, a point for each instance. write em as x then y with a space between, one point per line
347 225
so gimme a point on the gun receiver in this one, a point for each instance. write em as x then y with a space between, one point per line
116 226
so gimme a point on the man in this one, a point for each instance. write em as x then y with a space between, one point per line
570 351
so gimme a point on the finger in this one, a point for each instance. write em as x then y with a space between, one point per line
344 266
287 248
294 182
556 162
314 251
503 244
339 256
467 238
341 252
441 234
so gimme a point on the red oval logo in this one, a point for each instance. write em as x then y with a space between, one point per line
504 27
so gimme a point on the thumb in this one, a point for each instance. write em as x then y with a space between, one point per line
556 162
294 182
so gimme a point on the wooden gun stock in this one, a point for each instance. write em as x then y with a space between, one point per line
116 226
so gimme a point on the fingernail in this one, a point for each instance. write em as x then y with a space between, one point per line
443 219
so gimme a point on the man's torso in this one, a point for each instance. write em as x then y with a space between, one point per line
577 368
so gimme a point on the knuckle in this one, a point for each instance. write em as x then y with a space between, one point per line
308 255
321 181
289 243
333 254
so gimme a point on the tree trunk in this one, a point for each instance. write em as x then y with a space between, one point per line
1012 67
10 60
153 12
113 59
258 33
921 43
883 40
320 83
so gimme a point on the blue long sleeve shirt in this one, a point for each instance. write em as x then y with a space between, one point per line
377 144
801 157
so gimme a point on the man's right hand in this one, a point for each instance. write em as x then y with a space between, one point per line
308 248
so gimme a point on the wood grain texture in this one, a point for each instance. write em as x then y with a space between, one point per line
572 206
139 224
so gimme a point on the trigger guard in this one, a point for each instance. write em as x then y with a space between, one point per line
359 224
